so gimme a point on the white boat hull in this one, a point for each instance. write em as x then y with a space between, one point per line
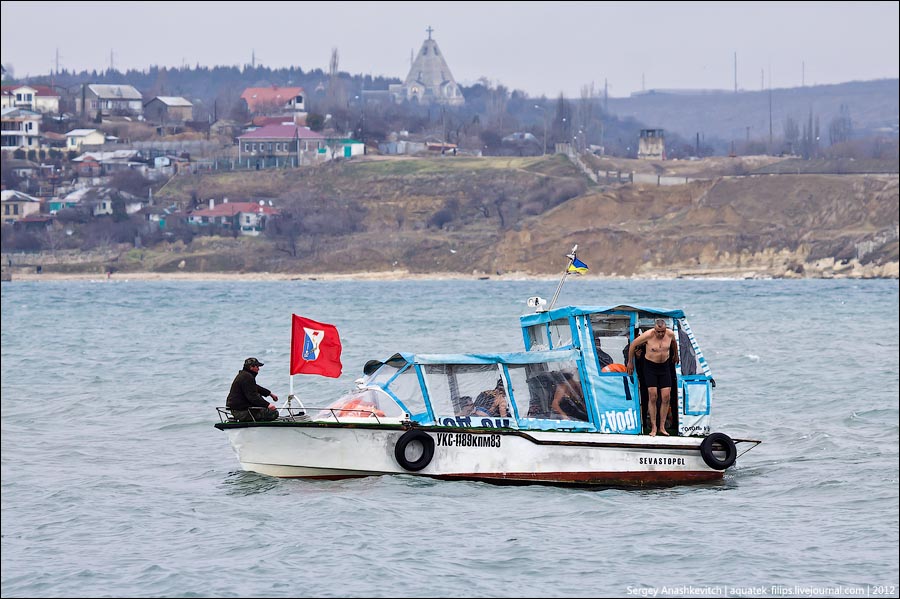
334 451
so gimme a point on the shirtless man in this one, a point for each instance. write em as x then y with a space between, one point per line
660 342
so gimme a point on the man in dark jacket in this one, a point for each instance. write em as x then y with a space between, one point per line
245 399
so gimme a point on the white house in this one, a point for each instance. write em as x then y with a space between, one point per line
21 129
76 139
39 98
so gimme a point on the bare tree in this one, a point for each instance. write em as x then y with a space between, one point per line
53 237
791 134
841 127
497 105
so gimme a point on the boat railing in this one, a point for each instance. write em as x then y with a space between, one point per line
355 413
303 414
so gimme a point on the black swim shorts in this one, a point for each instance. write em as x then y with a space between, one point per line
657 375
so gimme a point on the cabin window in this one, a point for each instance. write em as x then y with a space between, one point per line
473 390
611 338
537 338
548 391
560 333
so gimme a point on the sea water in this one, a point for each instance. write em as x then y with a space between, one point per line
116 484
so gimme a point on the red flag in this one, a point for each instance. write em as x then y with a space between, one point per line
315 348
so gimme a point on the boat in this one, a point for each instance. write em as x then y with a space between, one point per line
564 411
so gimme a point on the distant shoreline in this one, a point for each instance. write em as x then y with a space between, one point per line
268 276
712 274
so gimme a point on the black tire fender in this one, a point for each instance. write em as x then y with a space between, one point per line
427 450
720 442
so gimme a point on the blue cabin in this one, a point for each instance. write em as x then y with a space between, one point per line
570 377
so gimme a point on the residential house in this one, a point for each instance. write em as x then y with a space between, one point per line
39 98
17 205
246 218
34 222
111 162
274 100
225 127
288 141
20 129
76 139
171 165
168 109
54 140
22 169
110 100
164 216
99 201
71 200
87 166
108 198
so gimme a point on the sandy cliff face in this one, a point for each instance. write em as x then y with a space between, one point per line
781 226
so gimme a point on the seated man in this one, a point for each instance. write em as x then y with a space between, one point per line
568 399
491 403
245 399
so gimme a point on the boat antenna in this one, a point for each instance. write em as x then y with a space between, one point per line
571 257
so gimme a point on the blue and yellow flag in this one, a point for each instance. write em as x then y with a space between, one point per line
577 267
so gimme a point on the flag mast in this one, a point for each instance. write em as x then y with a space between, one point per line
571 258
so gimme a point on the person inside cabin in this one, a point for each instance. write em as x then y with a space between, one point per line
466 406
245 399
568 399
491 403
604 358
657 370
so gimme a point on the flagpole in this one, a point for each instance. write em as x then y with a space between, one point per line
571 258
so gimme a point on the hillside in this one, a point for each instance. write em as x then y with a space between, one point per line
873 106
484 216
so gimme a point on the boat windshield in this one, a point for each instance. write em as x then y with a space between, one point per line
397 378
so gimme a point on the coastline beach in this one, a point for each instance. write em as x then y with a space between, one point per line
396 275
852 270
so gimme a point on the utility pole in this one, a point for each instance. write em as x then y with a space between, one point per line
605 96
544 111
803 74
735 72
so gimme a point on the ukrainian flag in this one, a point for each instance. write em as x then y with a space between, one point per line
577 267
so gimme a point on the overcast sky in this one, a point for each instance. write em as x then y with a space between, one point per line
543 48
